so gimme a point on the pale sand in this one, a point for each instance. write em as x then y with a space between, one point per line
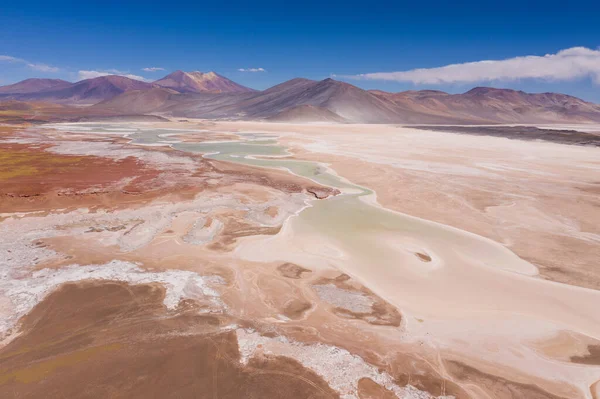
511 191
474 302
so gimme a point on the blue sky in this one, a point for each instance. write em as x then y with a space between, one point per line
308 39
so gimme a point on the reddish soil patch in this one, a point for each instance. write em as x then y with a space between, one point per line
108 339
25 112
593 357
369 389
31 171
296 308
33 179
292 270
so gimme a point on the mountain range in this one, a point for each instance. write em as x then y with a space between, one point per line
198 82
212 96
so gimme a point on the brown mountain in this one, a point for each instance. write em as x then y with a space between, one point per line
34 85
198 82
89 91
306 113
209 95
341 99
138 101
309 100
347 102
490 105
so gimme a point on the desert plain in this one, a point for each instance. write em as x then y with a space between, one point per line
196 258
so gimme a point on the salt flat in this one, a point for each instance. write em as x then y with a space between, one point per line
537 200
436 263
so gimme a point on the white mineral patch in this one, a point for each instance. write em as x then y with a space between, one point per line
140 226
144 232
352 301
372 156
203 231
286 207
338 367
24 293
157 159
22 247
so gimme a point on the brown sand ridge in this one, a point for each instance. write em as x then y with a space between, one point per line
369 389
89 339
497 387
291 270
593 356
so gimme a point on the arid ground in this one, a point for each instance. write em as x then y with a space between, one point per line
189 258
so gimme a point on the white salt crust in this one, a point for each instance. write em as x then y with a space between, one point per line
20 295
338 367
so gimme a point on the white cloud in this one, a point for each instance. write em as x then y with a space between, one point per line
153 69
96 74
252 70
569 64
43 68
8 58
34 66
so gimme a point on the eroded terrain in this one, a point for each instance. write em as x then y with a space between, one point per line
192 259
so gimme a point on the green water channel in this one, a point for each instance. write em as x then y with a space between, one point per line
355 224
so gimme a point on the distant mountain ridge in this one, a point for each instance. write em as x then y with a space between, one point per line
486 104
306 113
198 82
212 96
88 91
96 90
91 91
330 100
34 85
